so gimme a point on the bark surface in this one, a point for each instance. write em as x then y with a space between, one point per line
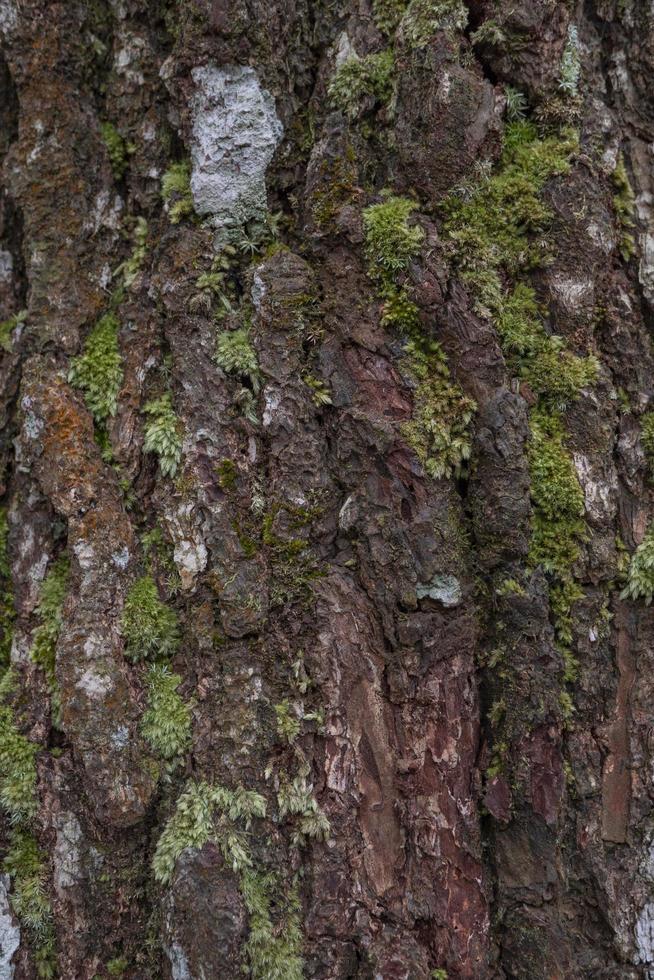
326 463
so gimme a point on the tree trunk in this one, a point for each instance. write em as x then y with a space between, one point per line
326 472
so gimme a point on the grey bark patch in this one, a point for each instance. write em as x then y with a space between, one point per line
9 932
235 134
443 588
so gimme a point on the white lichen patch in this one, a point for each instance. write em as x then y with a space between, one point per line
599 482
8 17
235 134
189 549
445 589
6 266
96 686
644 934
9 932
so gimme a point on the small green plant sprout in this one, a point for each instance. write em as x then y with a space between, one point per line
7 328
295 799
391 242
117 148
166 723
625 208
288 723
29 899
98 371
439 974
162 434
439 431
516 104
640 577
214 284
44 640
236 356
150 628
320 394
176 191
359 81
570 63
208 813
424 18
131 267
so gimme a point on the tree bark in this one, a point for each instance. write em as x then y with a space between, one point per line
326 467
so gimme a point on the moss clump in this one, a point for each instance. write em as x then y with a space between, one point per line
236 356
17 770
131 267
7 328
391 242
214 813
439 431
295 799
162 434
361 79
176 191
98 371
640 577
150 628
387 14
647 438
51 600
166 724
424 18
625 209
7 612
29 899
227 474
117 148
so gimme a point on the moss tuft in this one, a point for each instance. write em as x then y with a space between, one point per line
424 18
166 723
7 611
7 328
360 79
625 209
391 242
640 577
51 600
176 191
387 14
236 356
98 371
162 434
150 628
117 148
17 770
647 439
29 899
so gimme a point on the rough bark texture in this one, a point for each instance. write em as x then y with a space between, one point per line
446 735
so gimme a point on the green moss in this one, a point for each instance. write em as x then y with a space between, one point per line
131 267
214 813
166 723
439 430
117 148
320 394
162 434
7 611
49 610
391 242
7 328
98 371
359 79
288 724
424 18
176 191
387 14
640 577
150 628
29 899
117 967
647 439
17 770
295 799
625 209
227 474
236 356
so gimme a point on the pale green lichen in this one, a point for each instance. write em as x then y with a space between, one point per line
162 434
570 70
98 371
150 629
